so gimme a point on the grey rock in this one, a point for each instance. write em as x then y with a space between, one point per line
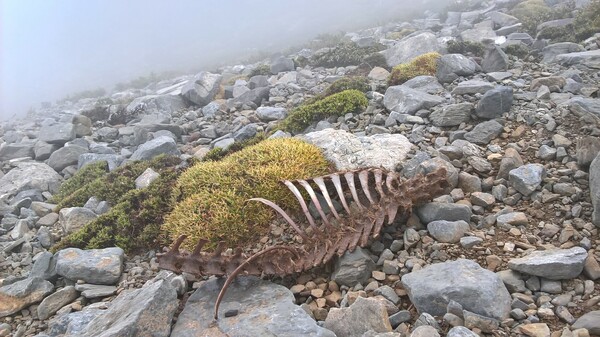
527 178
581 106
443 211
30 175
494 60
10 151
500 19
451 66
451 115
498 76
18 295
556 264
155 147
469 242
74 218
44 267
57 134
254 96
141 312
550 52
433 164
202 88
153 104
411 47
353 268
348 151
512 219
512 280
96 266
428 84
252 298
495 102
267 114
65 156
589 321
481 322
590 59
363 315
472 87
258 81
281 64
44 237
95 290
546 152
448 231
246 132
73 323
403 99
484 132
478 290
113 160
425 331
42 150
146 178
51 304
461 331
594 178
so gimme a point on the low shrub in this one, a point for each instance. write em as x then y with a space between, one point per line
467 48
345 54
263 69
337 104
587 21
518 49
425 64
532 13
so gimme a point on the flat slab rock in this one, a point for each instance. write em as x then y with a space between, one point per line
366 314
478 290
556 264
95 266
18 295
348 151
264 309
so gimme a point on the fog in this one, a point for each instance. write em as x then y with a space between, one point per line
49 49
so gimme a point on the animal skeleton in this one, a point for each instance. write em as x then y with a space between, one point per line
382 194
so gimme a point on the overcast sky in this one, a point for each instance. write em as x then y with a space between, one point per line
50 48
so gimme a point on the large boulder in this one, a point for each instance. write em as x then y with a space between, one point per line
254 96
263 309
584 105
281 64
590 59
65 156
411 47
155 147
28 176
57 134
555 264
202 88
153 104
10 151
21 294
478 290
428 84
451 66
95 266
402 99
550 52
348 151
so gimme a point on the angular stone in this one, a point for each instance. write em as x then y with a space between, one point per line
18 295
461 331
74 218
95 290
451 115
155 147
556 264
444 211
202 88
411 47
478 290
65 156
281 64
403 99
59 299
263 309
96 266
594 178
17 150
428 84
484 132
267 114
527 178
472 87
27 176
146 178
590 59
451 66
363 315
589 321
448 231
57 134
494 60
495 102
353 268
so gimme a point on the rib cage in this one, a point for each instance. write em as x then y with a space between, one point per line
374 195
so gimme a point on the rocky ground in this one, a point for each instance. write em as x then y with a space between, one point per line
511 250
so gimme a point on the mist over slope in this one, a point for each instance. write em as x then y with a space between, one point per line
49 50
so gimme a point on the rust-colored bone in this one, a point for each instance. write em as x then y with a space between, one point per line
375 195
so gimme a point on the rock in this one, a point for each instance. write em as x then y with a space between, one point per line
591 268
141 312
17 150
74 218
347 151
451 115
550 52
495 102
281 64
44 267
411 47
581 106
527 178
113 160
594 178
95 291
552 81
246 132
18 295
546 152
263 309
155 147
65 156
472 87
59 299
353 268
481 322
480 32
484 132
500 19
379 74
30 175
155 104
433 164
556 264
73 323
428 84
363 315
425 331
451 66
57 134
512 280
96 266
494 60
42 150
255 96
478 290
267 114
590 59
589 321
403 99
448 231
443 211
512 219
258 81
461 331
202 88
146 178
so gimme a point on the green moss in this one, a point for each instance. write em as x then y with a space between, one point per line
211 196
518 49
465 48
531 13
348 83
345 54
587 21
425 64
337 104
263 69
84 176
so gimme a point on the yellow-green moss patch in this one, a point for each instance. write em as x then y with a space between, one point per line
425 64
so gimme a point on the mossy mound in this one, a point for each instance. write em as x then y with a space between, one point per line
587 21
109 186
348 83
84 176
339 104
425 64
134 222
531 13
345 54
211 196
467 48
